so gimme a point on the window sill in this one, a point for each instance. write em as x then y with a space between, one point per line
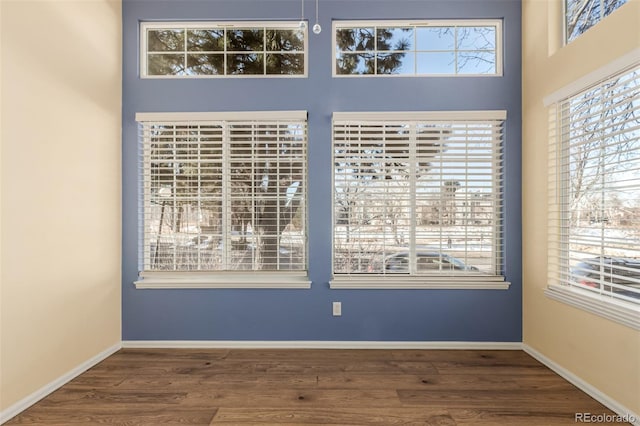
623 313
250 280
394 282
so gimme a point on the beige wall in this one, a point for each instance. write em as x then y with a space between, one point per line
60 176
602 353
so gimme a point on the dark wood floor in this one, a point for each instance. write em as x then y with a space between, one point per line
327 387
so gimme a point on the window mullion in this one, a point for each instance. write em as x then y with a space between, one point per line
277 201
199 196
413 171
264 51
185 51
224 51
227 142
465 219
174 200
254 195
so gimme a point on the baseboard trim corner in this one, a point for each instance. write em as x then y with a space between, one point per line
29 400
585 387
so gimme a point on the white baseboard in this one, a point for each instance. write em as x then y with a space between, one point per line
316 344
28 401
587 388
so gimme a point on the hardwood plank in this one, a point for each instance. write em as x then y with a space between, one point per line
492 417
519 400
154 417
221 380
496 368
443 382
338 417
477 357
288 398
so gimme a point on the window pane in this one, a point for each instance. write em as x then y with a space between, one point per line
476 62
165 64
395 63
245 40
205 40
583 14
476 38
394 38
250 63
355 39
181 220
286 63
355 63
205 64
267 173
165 40
279 40
437 38
436 63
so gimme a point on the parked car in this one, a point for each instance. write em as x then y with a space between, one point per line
596 271
426 261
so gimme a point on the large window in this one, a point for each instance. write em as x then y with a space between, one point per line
418 199
595 193
581 15
222 193
406 48
223 49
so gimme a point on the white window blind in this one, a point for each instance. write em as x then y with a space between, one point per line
225 194
418 194
594 190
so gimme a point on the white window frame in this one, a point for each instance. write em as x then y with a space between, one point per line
254 279
463 280
497 23
293 25
559 288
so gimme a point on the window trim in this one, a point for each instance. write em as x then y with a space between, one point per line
364 281
145 25
497 23
405 282
619 311
612 309
222 279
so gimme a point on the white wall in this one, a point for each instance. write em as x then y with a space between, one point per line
60 211
604 354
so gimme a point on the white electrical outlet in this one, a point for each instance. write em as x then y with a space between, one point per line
337 309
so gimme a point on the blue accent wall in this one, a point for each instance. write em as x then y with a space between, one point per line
380 315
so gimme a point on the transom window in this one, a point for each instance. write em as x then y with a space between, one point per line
418 195
223 192
594 238
223 49
406 48
581 15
